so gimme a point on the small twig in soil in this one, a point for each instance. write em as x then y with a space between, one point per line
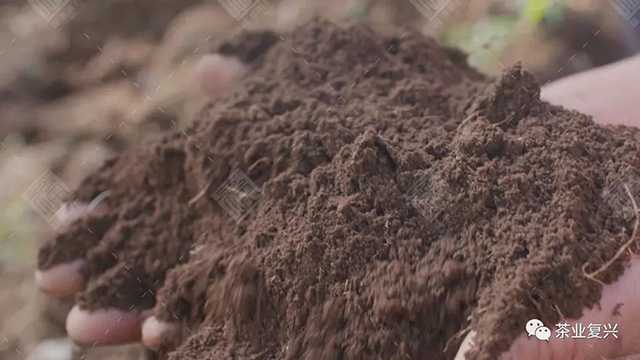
467 119
537 305
559 312
98 199
623 248
503 121
457 335
200 194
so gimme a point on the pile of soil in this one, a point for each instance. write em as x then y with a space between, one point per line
395 197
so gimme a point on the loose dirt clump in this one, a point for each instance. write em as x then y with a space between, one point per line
359 196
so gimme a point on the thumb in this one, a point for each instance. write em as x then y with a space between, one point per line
619 304
609 93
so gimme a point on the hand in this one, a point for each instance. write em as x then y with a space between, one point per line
610 94
216 74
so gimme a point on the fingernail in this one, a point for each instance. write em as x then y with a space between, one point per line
155 331
62 280
104 326
218 73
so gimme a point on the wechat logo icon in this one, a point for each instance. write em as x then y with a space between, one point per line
536 328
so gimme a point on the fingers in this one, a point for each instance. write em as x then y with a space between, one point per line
63 280
178 305
157 333
123 286
218 73
65 261
166 329
62 260
619 304
608 93
108 310
103 327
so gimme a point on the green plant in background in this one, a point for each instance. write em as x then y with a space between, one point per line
18 225
484 40
487 39
17 247
536 11
357 9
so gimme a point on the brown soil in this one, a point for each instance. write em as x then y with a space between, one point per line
401 197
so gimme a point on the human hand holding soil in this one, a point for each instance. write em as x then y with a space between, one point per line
346 155
216 75
610 97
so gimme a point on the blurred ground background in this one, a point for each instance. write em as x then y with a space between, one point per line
111 75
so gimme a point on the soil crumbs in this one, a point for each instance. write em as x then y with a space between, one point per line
400 198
